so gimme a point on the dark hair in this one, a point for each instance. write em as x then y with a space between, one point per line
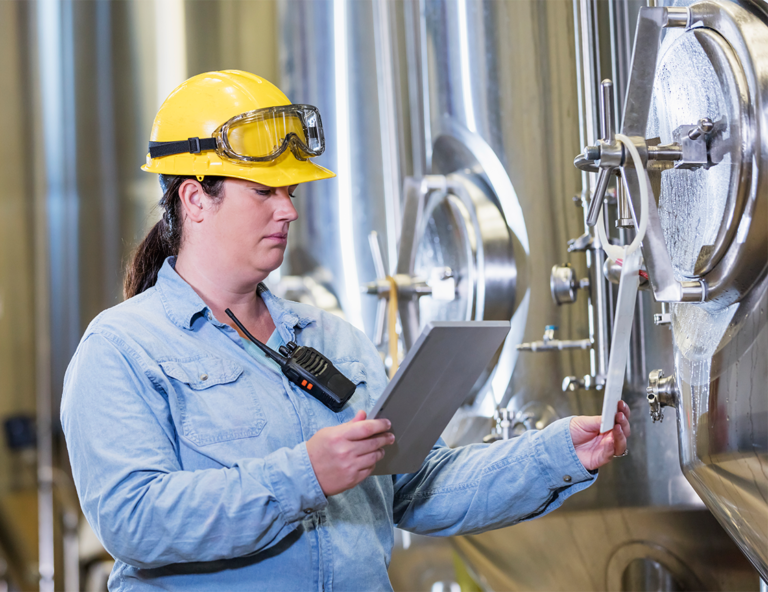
164 239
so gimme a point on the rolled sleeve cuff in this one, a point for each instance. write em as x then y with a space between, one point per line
557 457
293 480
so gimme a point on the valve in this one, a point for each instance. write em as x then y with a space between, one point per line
608 151
407 286
508 424
549 343
662 392
563 284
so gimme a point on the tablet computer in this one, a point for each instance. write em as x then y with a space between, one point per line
430 385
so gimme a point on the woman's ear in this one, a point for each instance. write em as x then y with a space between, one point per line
193 200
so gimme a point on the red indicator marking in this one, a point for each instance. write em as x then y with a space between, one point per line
309 388
303 383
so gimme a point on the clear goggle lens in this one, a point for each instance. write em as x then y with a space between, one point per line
266 133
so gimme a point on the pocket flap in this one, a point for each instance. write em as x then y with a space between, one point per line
202 373
355 371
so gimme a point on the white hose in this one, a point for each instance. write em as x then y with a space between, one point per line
614 252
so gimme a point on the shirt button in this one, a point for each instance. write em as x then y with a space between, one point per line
209 316
567 478
308 511
204 377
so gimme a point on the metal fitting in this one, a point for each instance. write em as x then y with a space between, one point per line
677 17
694 291
662 392
563 284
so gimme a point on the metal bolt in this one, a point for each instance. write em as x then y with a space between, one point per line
704 126
592 152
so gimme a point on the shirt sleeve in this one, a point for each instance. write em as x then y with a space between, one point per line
146 510
480 487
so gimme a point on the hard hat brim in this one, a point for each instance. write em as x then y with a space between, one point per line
282 172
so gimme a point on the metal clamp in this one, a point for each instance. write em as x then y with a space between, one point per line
662 392
664 317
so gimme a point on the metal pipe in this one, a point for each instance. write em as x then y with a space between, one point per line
625 219
418 87
607 123
555 345
596 204
351 301
56 254
110 219
591 69
385 81
587 75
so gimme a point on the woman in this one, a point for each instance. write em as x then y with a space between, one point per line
197 463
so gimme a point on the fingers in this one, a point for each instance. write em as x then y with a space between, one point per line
363 447
624 408
619 440
368 461
364 429
622 420
359 416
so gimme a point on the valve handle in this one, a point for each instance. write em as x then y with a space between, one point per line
608 131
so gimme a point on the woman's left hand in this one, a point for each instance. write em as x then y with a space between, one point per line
595 449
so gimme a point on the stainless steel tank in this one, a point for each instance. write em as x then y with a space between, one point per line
491 91
81 83
699 91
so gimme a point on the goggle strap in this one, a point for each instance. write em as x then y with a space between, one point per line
191 145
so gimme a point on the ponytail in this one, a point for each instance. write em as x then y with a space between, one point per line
164 239
141 274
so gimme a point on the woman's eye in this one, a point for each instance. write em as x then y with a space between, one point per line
292 194
264 192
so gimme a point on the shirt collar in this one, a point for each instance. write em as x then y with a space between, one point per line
183 305
284 314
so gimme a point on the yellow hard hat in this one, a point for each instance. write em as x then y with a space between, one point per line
236 124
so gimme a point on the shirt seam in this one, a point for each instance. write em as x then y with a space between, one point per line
119 343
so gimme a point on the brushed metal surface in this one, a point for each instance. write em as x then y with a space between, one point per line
715 223
498 78
593 550
722 417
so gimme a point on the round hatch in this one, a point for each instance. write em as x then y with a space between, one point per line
465 254
699 77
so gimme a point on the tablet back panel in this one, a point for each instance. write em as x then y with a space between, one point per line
431 384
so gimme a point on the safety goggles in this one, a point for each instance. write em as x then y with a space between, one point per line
257 136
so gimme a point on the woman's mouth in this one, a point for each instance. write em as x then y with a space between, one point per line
279 237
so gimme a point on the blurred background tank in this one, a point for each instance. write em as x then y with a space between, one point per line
81 84
452 126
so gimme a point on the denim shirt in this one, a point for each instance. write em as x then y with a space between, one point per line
191 463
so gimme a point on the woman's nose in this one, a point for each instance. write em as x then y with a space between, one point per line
285 210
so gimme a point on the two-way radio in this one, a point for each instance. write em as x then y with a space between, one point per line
308 369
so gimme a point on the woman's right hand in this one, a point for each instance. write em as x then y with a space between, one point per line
342 456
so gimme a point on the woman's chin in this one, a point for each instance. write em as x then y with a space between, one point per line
271 262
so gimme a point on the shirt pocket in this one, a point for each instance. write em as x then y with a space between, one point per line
355 371
216 402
